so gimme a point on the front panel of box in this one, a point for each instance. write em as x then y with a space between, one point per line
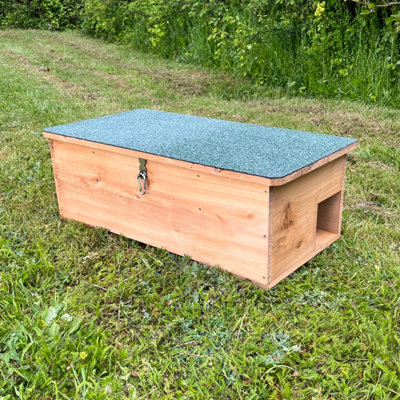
213 219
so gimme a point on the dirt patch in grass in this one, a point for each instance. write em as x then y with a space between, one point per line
195 84
46 74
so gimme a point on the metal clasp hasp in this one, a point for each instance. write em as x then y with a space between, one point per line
142 176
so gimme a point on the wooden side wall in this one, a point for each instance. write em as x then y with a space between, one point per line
295 236
213 219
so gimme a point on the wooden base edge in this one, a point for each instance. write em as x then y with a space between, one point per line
259 284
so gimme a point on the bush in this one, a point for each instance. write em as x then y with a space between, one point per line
42 14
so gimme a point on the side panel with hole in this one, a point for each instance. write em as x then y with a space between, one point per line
306 217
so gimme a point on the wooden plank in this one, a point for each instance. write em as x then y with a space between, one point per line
51 143
324 239
214 219
203 168
294 208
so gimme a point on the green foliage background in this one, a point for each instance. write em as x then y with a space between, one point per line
329 48
42 14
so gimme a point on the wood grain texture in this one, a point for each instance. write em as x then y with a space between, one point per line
294 208
214 219
207 169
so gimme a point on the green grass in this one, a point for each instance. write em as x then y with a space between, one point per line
86 314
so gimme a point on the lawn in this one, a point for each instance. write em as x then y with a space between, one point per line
87 314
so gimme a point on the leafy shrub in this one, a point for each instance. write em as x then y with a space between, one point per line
43 14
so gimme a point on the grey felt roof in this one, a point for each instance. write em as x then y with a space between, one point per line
246 148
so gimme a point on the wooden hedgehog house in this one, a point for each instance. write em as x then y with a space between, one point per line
254 200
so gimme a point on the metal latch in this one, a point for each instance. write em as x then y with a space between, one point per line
142 176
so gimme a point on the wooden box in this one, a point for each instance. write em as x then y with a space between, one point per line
254 200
